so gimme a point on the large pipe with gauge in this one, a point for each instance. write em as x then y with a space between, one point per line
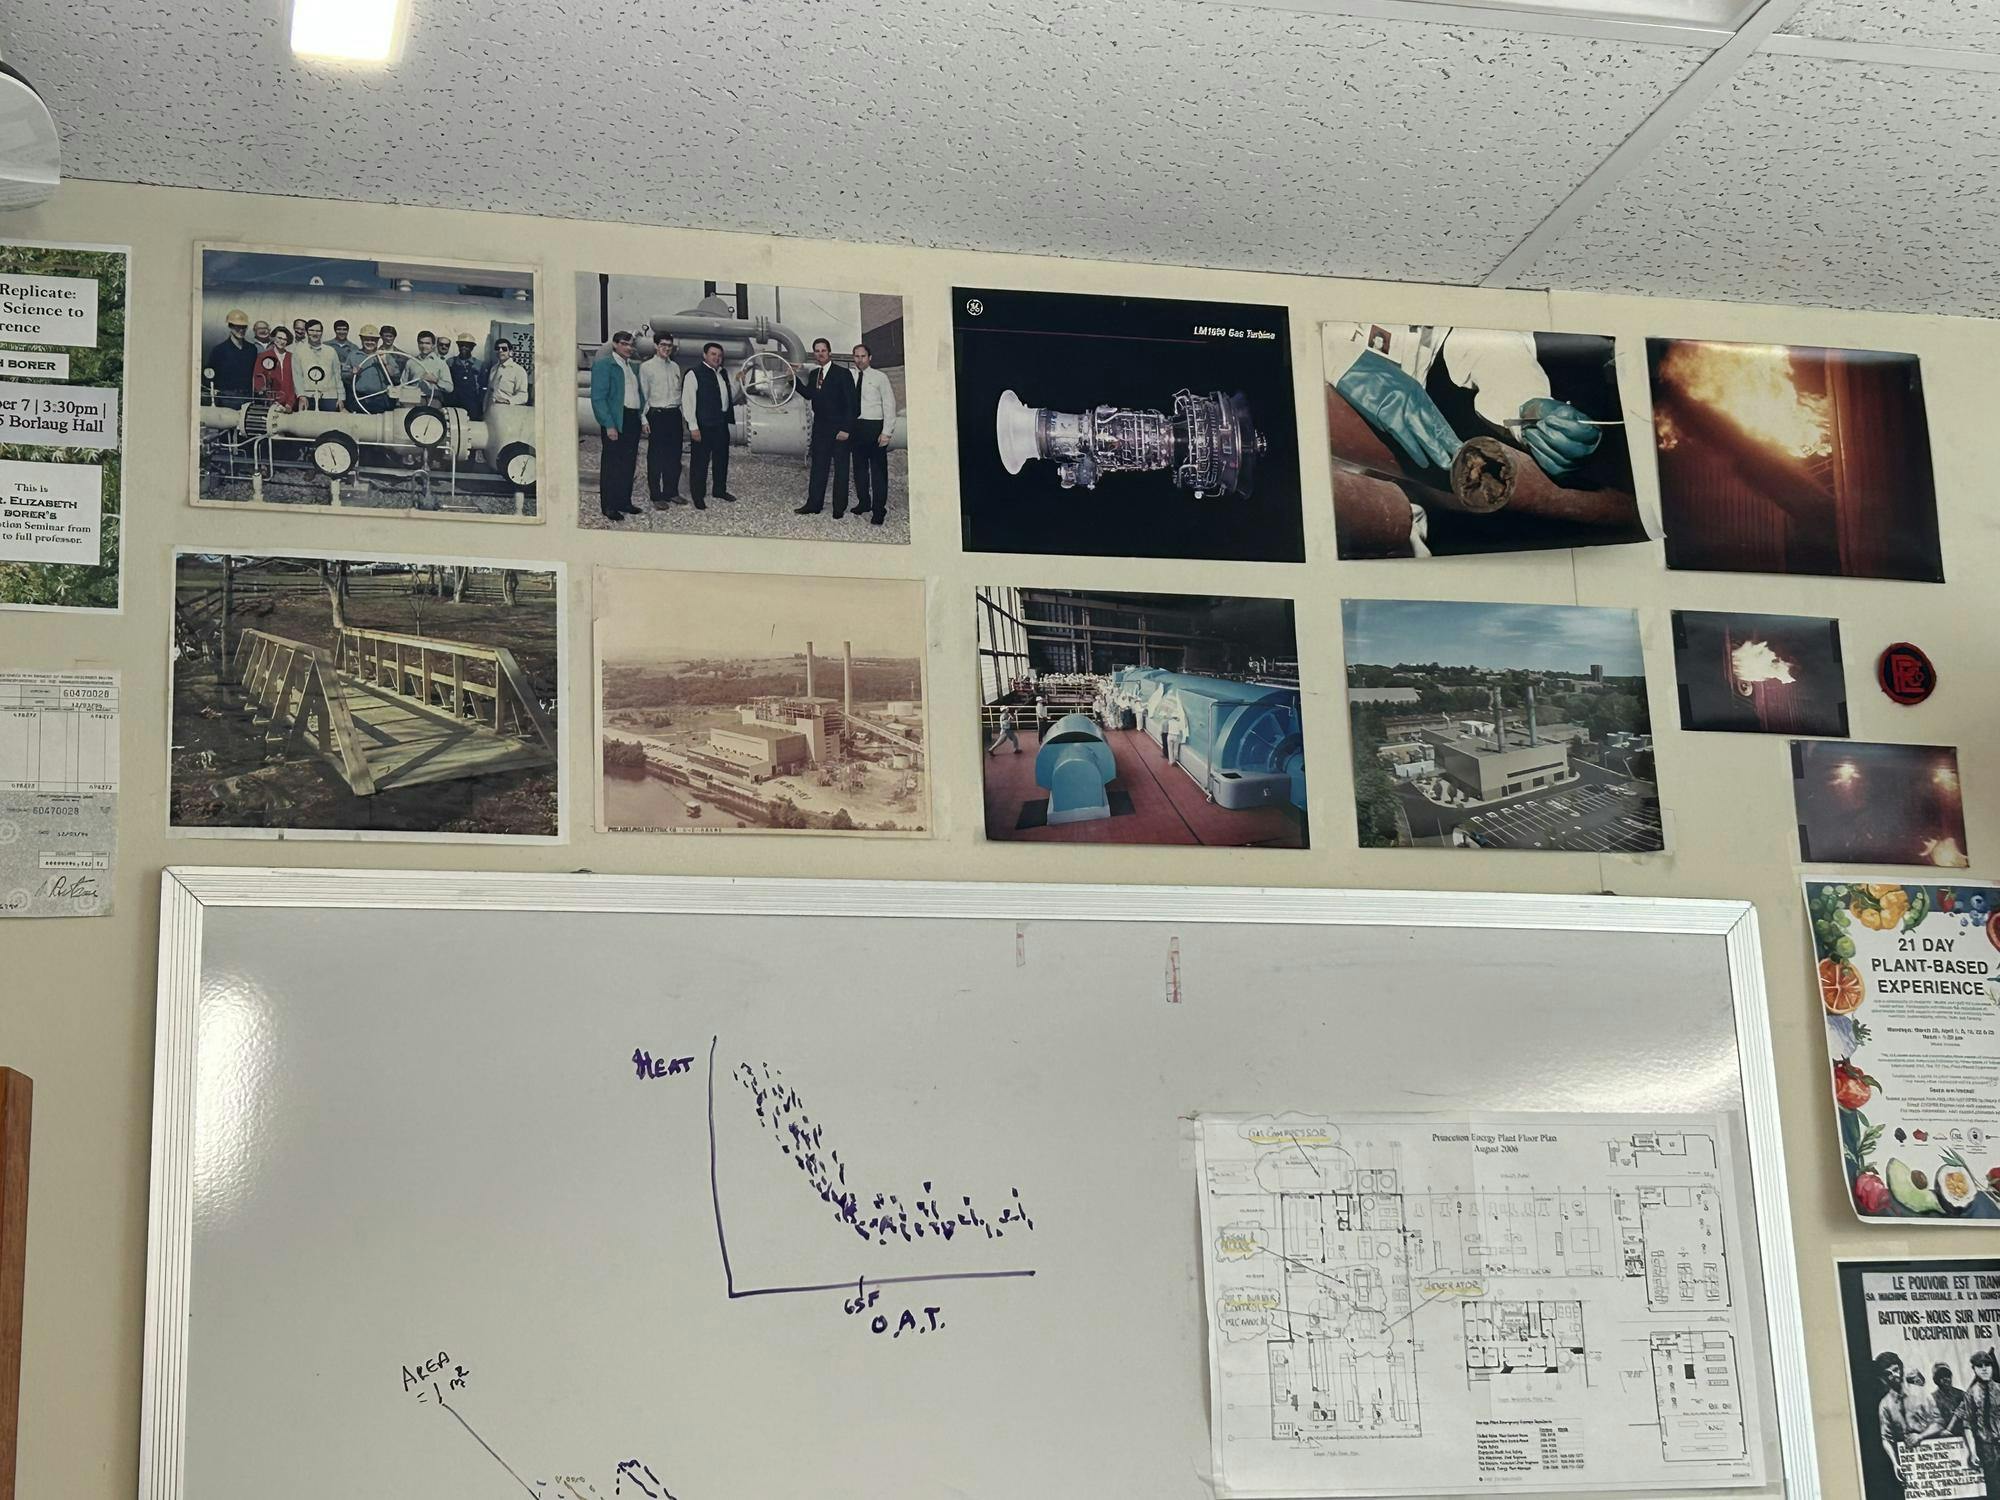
506 436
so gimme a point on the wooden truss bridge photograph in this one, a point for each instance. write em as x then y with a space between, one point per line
349 694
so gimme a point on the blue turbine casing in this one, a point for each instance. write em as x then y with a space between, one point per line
1241 743
1075 765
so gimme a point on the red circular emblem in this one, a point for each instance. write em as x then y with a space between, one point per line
1906 674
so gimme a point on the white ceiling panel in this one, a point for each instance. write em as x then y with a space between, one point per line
1809 181
1183 133
1951 24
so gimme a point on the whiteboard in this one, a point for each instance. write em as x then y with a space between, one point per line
421 1223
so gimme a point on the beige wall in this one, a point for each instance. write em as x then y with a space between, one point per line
76 1006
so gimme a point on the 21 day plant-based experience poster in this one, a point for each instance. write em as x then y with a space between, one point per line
1909 978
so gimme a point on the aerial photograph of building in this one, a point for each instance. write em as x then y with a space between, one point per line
1499 726
1140 719
742 703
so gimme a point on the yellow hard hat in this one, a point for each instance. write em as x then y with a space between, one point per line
370 331
237 318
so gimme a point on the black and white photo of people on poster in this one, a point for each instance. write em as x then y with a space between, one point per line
1921 1341
1448 441
1126 427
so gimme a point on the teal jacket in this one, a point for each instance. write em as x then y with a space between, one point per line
607 391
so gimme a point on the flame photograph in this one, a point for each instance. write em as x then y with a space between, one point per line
1790 459
1759 674
1878 804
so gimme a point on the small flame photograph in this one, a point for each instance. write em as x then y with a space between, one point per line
1447 441
1760 674
1112 718
1126 427
1878 804
1790 459
753 703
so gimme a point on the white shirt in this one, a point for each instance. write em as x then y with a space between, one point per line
878 398
1497 365
688 389
631 373
316 372
431 369
660 383
510 385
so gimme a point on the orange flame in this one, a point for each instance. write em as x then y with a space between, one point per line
1752 385
1755 661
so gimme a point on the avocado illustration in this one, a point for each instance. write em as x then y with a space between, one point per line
1910 1190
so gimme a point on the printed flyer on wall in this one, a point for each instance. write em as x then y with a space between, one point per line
62 377
1909 977
1921 1370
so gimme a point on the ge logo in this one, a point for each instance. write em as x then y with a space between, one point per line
974 307
9 831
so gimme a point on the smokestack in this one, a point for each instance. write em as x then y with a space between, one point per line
1531 715
809 669
1499 738
847 678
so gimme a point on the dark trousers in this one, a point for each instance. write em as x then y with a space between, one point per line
871 469
827 454
709 456
663 454
619 466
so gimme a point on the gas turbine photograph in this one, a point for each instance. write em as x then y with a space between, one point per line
1759 674
1448 441
1126 427
1112 718
723 408
1777 459
365 386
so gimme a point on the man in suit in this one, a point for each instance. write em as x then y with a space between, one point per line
874 427
709 400
616 403
830 390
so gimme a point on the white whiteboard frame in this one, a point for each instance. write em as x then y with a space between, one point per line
186 893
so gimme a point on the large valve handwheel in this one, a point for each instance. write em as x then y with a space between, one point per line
769 379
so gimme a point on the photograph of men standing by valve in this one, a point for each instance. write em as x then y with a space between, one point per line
1126 427
374 386
1448 441
720 408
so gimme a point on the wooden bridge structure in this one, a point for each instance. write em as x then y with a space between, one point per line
390 711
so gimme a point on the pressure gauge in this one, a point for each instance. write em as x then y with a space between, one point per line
335 455
517 465
425 426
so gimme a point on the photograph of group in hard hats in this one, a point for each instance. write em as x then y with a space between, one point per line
1126 426
1115 718
723 408
1447 441
1789 459
365 385
753 703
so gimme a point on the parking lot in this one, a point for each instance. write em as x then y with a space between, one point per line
1594 819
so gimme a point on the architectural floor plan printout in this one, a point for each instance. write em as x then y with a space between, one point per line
1404 1305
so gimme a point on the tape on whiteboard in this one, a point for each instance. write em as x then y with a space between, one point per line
1173 971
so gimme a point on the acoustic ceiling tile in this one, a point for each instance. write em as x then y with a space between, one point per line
1175 133
1948 24
1809 181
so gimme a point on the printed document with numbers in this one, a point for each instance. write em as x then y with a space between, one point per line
58 793
1507 1302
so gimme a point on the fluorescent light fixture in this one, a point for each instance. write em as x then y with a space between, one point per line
349 30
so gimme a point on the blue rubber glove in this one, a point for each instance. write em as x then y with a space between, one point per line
1396 405
1561 438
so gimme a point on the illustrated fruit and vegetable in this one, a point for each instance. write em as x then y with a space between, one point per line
1897 1186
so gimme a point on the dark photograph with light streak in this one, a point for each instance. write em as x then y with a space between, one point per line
1878 804
1759 674
1787 459
1449 441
